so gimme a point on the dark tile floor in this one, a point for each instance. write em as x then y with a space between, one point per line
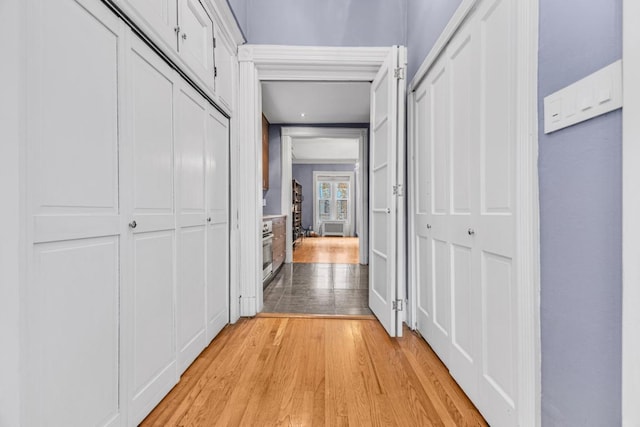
319 289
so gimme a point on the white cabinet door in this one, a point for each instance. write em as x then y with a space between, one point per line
195 41
150 168
71 369
217 222
160 15
382 178
190 115
225 70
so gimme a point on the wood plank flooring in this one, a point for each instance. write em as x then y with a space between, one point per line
331 250
304 372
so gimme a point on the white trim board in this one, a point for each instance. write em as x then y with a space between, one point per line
361 182
630 216
265 62
527 222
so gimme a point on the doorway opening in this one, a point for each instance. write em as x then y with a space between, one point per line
318 178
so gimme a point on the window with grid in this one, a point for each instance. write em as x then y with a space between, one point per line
333 200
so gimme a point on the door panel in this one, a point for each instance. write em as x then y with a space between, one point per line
195 42
153 245
384 145
218 223
191 117
72 293
161 15
224 57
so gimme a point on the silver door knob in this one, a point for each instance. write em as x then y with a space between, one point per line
133 224
471 232
184 36
388 210
428 226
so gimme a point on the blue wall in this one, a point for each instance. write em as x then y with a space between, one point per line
580 224
303 173
425 22
324 22
274 193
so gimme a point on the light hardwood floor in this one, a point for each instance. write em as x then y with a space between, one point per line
303 372
328 250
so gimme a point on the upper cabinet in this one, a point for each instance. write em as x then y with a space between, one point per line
195 39
200 36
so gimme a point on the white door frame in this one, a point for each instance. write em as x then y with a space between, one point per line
362 183
630 215
527 202
267 62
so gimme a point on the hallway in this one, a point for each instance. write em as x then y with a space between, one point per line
268 371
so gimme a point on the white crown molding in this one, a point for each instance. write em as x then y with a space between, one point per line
275 62
227 20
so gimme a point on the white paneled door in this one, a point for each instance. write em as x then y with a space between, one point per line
161 15
464 148
195 38
383 146
217 184
72 365
152 227
191 115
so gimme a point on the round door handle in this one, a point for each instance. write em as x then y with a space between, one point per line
428 226
209 219
133 224
388 210
471 232
184 36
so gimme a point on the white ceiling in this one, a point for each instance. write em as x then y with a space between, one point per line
321 102
324 150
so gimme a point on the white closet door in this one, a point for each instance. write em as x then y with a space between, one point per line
161 15
382 172
75 230
224 58
195 42
190 115
152 223
495 226
217 222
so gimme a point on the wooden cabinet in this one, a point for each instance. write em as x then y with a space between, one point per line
279 236
265 153
296 211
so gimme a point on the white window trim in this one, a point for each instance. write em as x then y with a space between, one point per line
349 175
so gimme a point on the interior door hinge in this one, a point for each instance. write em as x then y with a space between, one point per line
398 190
398 73
214 42
397 305
215 71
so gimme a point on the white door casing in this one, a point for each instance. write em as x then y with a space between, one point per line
474 207
362 222
382 200
263 62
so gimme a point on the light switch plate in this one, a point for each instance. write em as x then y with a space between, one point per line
592 96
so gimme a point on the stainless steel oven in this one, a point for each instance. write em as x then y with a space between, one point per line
267 249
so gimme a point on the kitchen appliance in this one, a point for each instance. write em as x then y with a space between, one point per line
267 249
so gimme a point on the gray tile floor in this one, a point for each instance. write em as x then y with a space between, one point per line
319 289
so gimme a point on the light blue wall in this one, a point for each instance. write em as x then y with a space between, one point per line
324 22
273 195
425 22
303 173
239 9
580 224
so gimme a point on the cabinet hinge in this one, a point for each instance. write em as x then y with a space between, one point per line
398 190
398 73
215 71
397 305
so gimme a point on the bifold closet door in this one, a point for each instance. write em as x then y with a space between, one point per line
152 222
75 229
217 147
191 116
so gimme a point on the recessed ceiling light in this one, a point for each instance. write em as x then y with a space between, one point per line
301 114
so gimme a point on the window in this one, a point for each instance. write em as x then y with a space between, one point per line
333 193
